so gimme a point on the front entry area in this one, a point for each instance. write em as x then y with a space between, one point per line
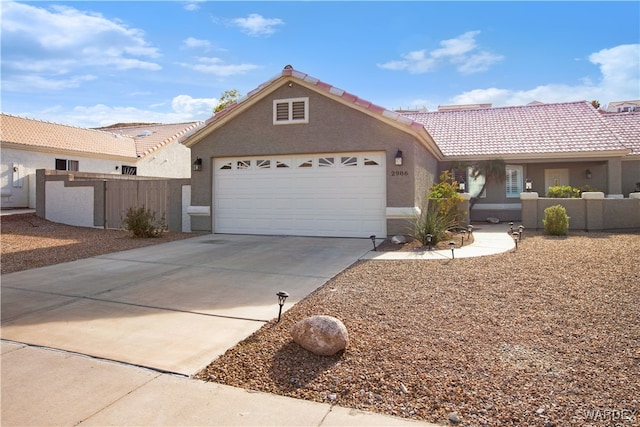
325 194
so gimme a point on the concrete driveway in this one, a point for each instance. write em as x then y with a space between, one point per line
173 307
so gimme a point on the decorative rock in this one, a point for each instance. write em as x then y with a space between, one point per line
454 418
399 239
493 220
322 335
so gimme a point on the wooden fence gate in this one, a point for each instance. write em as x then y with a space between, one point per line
122 195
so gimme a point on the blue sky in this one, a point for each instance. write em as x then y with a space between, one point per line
97 63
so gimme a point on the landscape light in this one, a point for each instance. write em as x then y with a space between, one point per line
429 237
511 225
515 235
520 231
462 236
373 240
452 245
282 296
469 230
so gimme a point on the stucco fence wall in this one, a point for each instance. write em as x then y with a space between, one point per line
592 212
80 198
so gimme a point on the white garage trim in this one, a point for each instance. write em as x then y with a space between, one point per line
403 213
324 194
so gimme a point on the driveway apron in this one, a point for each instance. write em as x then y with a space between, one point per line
173 307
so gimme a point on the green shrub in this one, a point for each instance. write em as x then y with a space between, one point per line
445 197
142 223
563 192
568 192
556 221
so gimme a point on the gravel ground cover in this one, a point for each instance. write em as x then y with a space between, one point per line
545 335
548 335
29 242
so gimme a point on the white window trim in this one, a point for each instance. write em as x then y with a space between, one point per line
290 102
519 187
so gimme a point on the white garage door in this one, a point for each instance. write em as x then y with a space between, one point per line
306 195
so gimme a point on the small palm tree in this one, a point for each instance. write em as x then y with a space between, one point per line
492 170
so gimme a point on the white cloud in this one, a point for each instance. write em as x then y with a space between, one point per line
620 69
620 74
217 66
461 51
257 25
193 107
456 47
192 5
35 83
184 108
43 43
193 43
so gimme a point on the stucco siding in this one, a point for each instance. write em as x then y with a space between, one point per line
172 161
630 176
30 161
332 128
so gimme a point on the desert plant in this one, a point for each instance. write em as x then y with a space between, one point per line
142 222
556 221
440 212
431 221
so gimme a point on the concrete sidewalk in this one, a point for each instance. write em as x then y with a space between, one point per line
488 239
44 387
110 340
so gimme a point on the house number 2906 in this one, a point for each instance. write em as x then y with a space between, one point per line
399 173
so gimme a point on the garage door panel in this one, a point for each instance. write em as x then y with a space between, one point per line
345 199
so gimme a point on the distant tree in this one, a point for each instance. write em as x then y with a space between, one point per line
493 170
228 97
596 104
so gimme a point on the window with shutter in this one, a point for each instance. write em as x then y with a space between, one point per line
129 170
513 180
289 111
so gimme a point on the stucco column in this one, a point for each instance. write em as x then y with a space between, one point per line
614 176
529 202
594 210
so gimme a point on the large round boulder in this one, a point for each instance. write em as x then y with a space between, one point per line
322 335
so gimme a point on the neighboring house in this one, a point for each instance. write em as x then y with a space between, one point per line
28 145
159 150
623 107
298 156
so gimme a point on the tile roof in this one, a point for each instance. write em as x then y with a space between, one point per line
627 127
543 130
151 137
52 136
325 87
124 141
